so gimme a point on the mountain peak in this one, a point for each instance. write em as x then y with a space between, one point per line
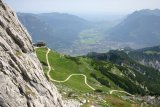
148 12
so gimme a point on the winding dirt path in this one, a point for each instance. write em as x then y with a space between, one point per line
49 69
85 77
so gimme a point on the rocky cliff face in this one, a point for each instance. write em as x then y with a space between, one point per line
147 56
22 81
152 63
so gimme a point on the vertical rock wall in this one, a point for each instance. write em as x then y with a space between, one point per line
22 81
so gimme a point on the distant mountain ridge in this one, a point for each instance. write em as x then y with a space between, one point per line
36 27
56 29
141 27
73 35
155 12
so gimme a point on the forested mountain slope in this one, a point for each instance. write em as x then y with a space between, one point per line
141 27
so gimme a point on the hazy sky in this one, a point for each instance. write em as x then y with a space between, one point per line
82 6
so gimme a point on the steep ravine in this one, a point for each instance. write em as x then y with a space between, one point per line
22 81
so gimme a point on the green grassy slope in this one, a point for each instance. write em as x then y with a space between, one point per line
63 66
41 54
102 80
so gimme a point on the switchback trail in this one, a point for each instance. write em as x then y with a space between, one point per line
85 77
49 69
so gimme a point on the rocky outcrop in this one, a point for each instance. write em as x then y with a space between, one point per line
72 103
22 81
155 63
151 100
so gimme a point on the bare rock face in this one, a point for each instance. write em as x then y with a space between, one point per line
155 63
22 81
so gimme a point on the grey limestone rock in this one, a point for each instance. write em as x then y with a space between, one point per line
22 81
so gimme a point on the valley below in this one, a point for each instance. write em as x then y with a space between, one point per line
73 35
